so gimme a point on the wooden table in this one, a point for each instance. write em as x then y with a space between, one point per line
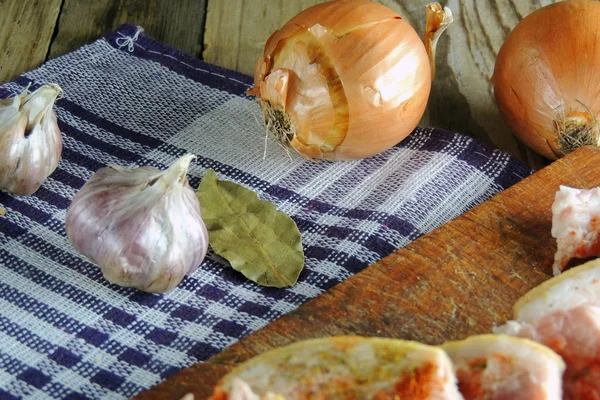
231 33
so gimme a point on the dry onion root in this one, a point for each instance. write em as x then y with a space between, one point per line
546 78
347 79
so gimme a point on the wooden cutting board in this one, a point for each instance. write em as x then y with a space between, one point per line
459 280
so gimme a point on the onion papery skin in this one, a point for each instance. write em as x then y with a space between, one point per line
345 79
547 76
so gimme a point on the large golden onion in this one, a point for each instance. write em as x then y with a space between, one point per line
345 79
546 78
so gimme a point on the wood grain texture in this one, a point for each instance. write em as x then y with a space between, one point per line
461 279
236 30
461 99
26 29
178 23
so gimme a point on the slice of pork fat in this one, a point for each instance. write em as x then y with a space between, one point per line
343 367
498 367
574 335
575 225
563 313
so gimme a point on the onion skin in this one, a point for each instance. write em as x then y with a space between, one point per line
547 74
347 79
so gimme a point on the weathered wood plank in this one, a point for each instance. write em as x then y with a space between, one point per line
178 23
236 30
26 29
461 98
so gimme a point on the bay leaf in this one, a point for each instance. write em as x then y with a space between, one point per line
261 242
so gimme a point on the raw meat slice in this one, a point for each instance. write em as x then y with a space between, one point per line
502 367
344 367
575 225
563 313
574 287
575 335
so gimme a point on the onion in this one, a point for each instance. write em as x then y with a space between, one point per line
546 78
346 79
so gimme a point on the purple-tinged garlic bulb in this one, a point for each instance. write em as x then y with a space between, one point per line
30 140
142 226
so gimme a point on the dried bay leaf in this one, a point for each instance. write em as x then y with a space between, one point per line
261 242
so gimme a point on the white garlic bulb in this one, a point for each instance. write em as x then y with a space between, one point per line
142 226
30 140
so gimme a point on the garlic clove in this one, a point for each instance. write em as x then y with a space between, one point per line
9 110
30 140
37 104
10 138
142 226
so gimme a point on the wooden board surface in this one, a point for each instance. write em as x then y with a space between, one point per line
32 32
459 280
26 29
179 23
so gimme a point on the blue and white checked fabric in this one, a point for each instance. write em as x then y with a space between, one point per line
67 333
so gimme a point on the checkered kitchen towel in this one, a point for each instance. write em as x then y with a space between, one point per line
129 100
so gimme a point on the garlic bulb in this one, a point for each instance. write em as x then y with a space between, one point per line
30 140
142 226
